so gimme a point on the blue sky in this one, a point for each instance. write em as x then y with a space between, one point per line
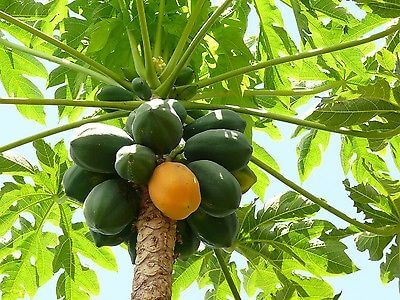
324 182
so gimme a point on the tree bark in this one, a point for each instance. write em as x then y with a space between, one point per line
154 253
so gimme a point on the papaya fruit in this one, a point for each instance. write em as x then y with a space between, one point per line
185 76
132 240
111 206
101 240
129 121
169 104
135 163
213 231
114 93
219 189
196 113
78 182
246 178
217 119
174 190
185 93
228 148
95 145
141 88
157 128
129 73
187 242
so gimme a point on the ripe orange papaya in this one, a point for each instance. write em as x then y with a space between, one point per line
174 190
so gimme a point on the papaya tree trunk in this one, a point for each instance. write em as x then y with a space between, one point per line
152 278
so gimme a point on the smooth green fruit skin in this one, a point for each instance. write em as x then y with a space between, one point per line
78 182
186 92
101 240
246 178
228 148
185 76
187 242
132 240
215 232
217 119
135 163
141 88
169 104
159 129
219 189
196 113
129 121
114 93
95 146
111 206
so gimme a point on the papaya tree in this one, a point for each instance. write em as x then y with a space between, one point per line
170 104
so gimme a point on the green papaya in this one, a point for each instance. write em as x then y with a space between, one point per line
95 145
135 163
132 240
228 148
101 240
215 232
187 242
196 113
186 92
219 189
78 182
129 73
141 88
111 206
157 128
246 178
185 76
170 104
129 121
217 119
114 93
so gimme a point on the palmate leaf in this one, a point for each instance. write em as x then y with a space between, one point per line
351 112
15 164
310 150
390 268
379 208
204 269
33 250
280 243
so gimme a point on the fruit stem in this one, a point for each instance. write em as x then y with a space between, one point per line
151 74
285 59
137 59
60 61
66 48
29 139
154 253
166 86
159 30
227 274
384 231
176 55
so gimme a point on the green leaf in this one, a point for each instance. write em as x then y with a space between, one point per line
310 150
376 207
375 244
351 112
390 268
13 163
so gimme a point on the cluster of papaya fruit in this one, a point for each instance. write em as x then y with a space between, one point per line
194 173
142 90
